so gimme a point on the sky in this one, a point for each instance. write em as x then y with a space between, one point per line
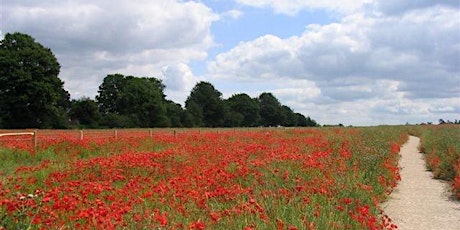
354 62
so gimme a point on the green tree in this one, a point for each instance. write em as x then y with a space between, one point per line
232 118
132 101
110 92
271 110
301 120
143 102
175 113
188 119
206 105
290 119
113 120
31 94
311 122
305 121
247 107
194 114
85 112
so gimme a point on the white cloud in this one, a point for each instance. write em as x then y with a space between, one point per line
94 38
382 61
256 59
234 14
367 68
392 7
292 7
179 80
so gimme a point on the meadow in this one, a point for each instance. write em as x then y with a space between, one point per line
441 147
309 178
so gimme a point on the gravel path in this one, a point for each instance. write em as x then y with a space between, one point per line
420 202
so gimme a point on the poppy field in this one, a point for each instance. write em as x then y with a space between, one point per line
441 146
316 178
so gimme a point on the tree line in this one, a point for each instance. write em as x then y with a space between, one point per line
33 96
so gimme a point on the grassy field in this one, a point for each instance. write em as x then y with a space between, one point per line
318 178
441 147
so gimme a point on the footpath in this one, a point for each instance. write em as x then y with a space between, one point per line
420 202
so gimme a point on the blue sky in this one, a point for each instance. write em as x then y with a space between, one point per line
355 62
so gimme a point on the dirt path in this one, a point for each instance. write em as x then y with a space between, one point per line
420 202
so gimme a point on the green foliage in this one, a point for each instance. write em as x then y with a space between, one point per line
290 119
175 113
205 108
113 120
142 100
271 110
127 101
244 110
85 113
31 94
441 147
206 104
109 93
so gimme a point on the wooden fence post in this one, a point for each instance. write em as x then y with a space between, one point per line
81 135
115 133
35 140
175 133
150 133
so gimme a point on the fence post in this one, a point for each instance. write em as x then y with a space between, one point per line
150 133
81 135
175 133
115 133
35 140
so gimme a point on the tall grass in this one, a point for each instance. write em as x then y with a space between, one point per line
441 147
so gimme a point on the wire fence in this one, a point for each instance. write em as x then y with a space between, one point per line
37 136
33 138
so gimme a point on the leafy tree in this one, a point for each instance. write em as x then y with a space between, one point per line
271 110
143 102
194 114
138 101
85 112
31 94
305 121
175 113
187 119
232 118
110 93
112 120
244 108
290 119
206 105
301 120
311 122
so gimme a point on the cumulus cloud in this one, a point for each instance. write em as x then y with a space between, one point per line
179 80
94 38
381 61
292 7
395 65
392 7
